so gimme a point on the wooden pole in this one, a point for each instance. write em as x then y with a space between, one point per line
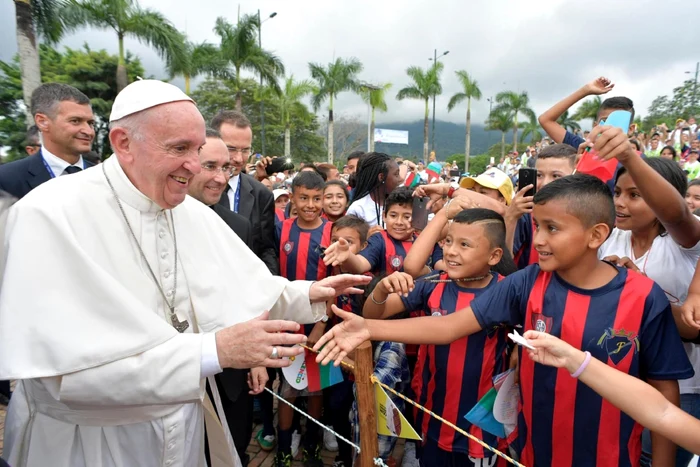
364 367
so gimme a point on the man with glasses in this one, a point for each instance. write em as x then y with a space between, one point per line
207 187
32 143
245 195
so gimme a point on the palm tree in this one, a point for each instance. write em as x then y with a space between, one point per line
500 120
290 103
532 129
515 104
425 85
33 16
470 90
240 49
588 109
331 80
568 123
127 18
376 98
198 59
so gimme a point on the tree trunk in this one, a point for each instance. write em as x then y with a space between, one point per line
425 132
371 133
330 131
28 54
469 135
187 84
239 97
503 144
515 131
122 79
287 142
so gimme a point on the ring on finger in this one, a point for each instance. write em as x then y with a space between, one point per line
275 353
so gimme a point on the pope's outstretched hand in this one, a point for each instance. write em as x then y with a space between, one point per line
342 339
333 286
250 344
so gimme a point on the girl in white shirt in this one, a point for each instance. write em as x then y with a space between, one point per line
377 176
657 235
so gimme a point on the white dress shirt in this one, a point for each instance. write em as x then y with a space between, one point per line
58 165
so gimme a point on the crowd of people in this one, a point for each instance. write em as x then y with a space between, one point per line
142 333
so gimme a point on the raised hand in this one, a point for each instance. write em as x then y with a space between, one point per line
599 86
521 204
611 143
623 262
257 379
691 310
398 282
342 339
337 253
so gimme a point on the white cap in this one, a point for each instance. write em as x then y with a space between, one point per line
144 94
277 193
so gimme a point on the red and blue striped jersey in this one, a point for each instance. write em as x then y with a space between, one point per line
524 252
450 379
627 324
385 254
301 250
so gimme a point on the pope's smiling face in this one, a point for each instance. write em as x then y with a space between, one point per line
161 154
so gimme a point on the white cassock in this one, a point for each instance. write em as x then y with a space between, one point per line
106 380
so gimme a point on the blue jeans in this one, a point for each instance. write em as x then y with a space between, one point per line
690 403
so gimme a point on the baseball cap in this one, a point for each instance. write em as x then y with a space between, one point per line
277 193
493 178
144 94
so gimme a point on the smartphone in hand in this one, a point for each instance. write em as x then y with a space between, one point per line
419 216
527 176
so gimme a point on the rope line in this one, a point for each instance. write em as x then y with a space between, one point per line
451 425
342 363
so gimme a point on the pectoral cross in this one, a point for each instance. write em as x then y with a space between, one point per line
180 326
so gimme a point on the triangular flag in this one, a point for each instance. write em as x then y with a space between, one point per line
481 415
390 421
321 376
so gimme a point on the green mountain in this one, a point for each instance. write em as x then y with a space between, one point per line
449 140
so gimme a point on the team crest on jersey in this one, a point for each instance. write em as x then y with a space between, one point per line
288 247
541 322
395 262
438 312
618 343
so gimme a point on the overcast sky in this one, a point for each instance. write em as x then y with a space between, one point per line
548 48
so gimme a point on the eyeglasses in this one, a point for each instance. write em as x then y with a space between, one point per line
227 169
242 151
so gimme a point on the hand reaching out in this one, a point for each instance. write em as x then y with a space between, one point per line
398 282
552 351
337 253
342 339
521 204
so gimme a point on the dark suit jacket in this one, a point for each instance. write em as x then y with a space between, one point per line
257 204
20 177
231 381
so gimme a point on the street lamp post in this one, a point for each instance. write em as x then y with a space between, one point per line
262 100
435 59
695 87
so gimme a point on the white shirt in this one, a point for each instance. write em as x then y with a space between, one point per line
233 183
57 164
672 267
365 208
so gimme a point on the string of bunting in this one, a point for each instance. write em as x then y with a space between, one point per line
432 414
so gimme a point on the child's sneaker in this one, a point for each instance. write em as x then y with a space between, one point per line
282 460
409 456
296 441
266 442
313 458
329 441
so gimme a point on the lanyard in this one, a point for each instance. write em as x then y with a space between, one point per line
237 196
48 168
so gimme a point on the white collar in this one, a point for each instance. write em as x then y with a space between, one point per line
126 190
57 164
234 181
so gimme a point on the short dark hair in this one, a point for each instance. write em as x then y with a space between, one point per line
673 151
694 182
212 133
559 151
308 180
587 197
401 195
351 221
32 138
495 230
619 103
325 169
355 155
341 184
46 98
668 169
232 117
314 169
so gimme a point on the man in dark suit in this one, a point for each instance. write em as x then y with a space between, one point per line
65 120
245 195
233 385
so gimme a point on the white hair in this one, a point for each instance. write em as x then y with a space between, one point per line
133 124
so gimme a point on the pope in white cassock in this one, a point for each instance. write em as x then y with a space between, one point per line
122 295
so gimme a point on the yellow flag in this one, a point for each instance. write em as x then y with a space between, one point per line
393 424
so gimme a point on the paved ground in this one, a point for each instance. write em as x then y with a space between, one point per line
259 458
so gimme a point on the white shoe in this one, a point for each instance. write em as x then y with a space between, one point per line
329 441
296 441
409 456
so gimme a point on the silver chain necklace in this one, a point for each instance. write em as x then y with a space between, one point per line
180 326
